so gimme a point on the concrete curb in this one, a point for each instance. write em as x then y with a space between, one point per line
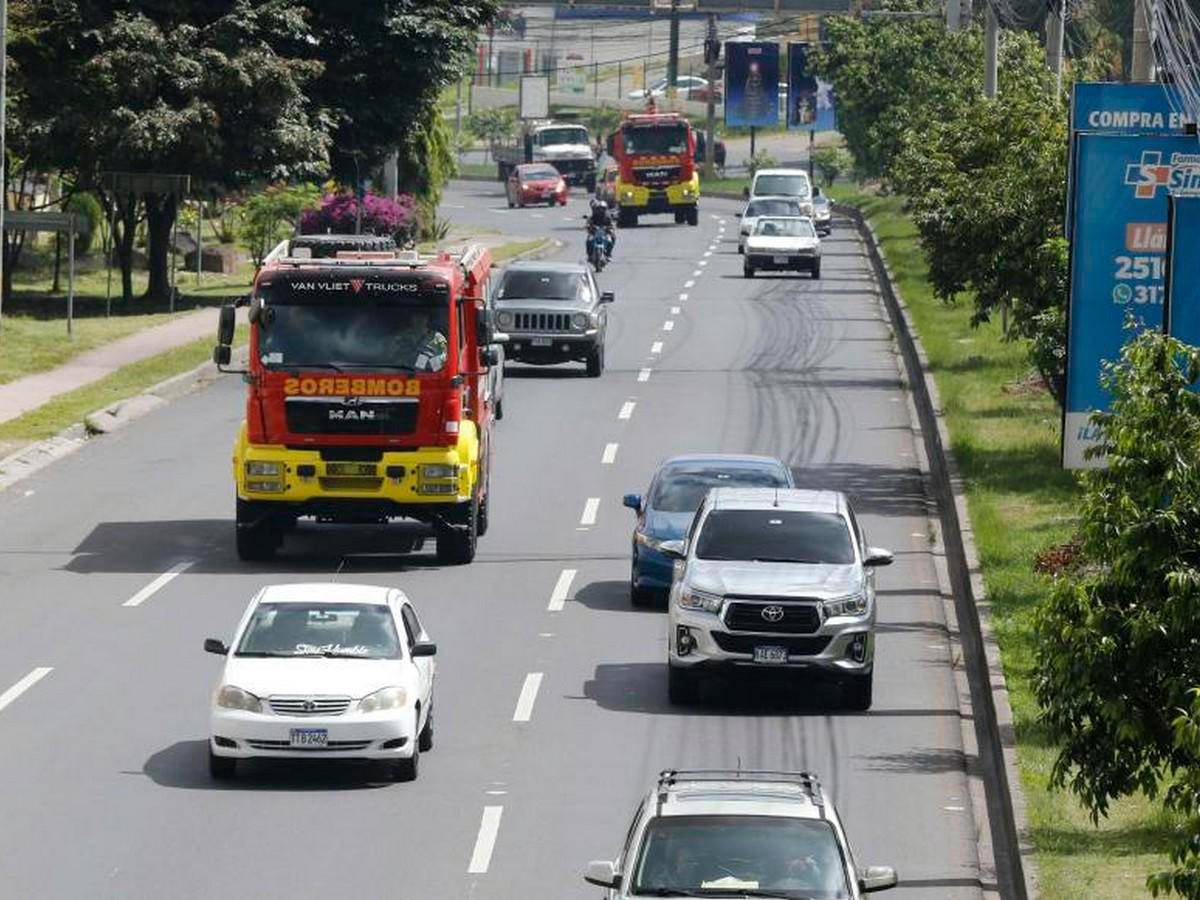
1006 853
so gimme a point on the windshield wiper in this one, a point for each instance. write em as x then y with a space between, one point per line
292 365
391 366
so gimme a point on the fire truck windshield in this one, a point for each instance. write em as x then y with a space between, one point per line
339 336
656 138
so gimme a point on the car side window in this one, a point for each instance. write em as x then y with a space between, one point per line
409 631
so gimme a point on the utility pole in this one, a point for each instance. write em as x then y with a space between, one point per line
712 50
3 124
991 53
953 14
1054 41
673 51
1143 64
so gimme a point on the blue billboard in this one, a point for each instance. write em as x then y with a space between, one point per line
1182 311
751 83
810 103
1118 260
1104 107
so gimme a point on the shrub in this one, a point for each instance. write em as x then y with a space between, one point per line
269 216
832 163
87 210
338 214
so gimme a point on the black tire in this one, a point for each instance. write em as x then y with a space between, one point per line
639 597
256 538
481 526
499 409
683 688
425 738
747 271
595 362
680 217
857 692
221 768
456 543
741 250
816 271
693 216
408 769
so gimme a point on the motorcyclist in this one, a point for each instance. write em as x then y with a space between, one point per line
600 217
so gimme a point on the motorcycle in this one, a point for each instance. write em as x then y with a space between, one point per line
598 247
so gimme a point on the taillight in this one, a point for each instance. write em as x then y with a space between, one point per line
453 412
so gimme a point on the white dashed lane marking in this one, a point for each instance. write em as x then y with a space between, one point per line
24 684
610 450
485 841
669 325
674 310
562 588
688 284
590 508
627 409
529 691
644 375
656 347
158 583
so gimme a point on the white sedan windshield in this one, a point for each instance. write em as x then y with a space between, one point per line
354 630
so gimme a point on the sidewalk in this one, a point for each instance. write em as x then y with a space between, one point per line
28 393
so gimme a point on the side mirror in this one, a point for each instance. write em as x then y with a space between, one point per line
212 645
607 296
878 878
424 648
633 501
490 356
226 325
877 556
602 873
746 193
737 215
222 354
673 549
483 327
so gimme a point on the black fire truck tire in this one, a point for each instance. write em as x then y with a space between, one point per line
693 216
456 543
680 217
257 537
626 219
481 525
595 362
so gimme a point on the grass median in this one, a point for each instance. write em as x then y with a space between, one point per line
1004 431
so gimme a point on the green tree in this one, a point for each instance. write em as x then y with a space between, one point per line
1183 796
1117 640
494 125
832 163
271 215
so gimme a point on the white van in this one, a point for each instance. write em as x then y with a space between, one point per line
783 183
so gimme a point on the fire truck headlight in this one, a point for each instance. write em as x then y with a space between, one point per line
259 467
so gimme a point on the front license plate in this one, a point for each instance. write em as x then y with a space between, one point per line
770 655
780 260
310 737
542 342
349 469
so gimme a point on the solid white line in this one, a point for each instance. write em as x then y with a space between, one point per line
529 691
669 325
656 347
626 410
24 684
643 375
589 511
158 583
688 284
674 310
562 587
485 842
610 450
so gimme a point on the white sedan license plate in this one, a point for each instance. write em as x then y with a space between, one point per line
770 655
310 737
780 260
542 342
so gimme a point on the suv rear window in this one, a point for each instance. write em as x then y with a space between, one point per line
776 535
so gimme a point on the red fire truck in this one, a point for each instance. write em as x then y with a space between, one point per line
655 153
367 397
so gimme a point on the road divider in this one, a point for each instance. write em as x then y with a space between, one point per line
159 583
24 684
485 841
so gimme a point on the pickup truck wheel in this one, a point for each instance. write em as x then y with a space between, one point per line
857 691
682 686
595 362
456 544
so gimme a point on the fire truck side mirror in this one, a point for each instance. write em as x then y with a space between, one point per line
222 353
490 356
483 327
225 326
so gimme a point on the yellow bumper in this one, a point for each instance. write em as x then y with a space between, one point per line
636 196
433 475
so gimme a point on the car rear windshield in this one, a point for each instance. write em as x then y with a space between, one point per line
352 630
776 535
773 208
527 285
538 173
682 488
785 227
785 185
731 855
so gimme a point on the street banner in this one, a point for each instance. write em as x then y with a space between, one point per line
1182 308
1118 260
751 83
533 101
1103 107
810 103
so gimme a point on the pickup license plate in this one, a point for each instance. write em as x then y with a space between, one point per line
310 737
343 468
542 342
780 260
770 655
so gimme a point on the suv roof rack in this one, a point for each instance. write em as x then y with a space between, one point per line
807 781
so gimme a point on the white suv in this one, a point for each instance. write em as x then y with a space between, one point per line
737 834
792 183
773 579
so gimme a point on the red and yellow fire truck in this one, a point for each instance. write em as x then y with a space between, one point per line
655 154
368 397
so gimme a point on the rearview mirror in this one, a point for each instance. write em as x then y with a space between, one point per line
878 878
602 873
633 501
226 324
746 193
607 297
877 556
483 327
673 549
424 648
212 645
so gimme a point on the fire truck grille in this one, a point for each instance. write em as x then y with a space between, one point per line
353 415
657 176
543 322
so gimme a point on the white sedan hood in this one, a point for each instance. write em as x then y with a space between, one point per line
312 676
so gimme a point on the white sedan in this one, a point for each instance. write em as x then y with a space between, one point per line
339 671
764 206
779 242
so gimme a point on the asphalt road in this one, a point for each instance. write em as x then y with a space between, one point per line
104 789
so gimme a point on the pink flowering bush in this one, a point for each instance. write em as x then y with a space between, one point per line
380 215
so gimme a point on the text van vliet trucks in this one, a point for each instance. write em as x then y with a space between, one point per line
367 397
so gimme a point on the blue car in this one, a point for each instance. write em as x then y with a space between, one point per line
667 509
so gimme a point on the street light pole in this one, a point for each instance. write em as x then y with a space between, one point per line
711 48
3 125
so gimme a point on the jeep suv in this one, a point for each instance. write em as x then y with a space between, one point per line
737 834
773 580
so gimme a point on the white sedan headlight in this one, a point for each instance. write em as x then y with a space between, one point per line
232 697
690 598
854 605
384 698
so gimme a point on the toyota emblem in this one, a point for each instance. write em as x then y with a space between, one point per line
772 613
309 706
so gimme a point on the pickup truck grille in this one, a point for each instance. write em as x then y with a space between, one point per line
796 645
543 322
352 415
796 618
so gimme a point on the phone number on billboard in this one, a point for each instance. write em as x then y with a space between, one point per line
1139 268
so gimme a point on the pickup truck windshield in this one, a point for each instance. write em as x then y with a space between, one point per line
776 535
734 856
656 139
364 336
551 136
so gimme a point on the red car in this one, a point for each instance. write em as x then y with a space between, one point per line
535 183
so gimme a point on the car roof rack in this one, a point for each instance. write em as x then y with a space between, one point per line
808 782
